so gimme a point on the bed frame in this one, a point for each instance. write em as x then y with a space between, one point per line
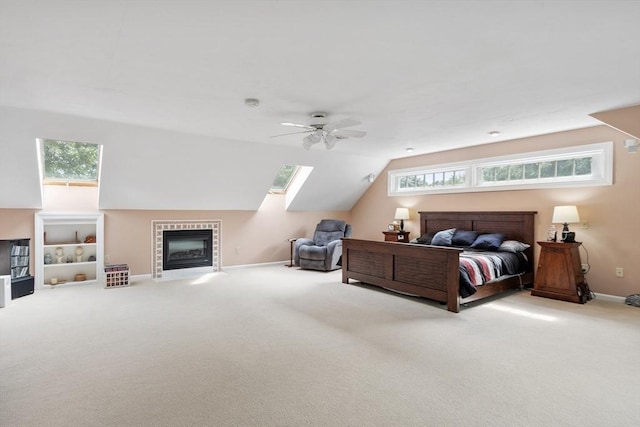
432 271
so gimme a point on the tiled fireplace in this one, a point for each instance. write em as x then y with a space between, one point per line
190 228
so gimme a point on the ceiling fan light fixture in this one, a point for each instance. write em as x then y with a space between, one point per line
321 131
315 137
330 141
306 142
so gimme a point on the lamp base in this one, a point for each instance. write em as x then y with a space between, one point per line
567 236
402 225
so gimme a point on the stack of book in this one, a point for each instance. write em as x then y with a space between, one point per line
116 267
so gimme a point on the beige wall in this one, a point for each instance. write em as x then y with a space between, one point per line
261 236
612 239
248 237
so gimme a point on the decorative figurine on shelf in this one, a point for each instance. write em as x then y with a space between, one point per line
59 255
69 259
47 258
92 258
79 252
90 239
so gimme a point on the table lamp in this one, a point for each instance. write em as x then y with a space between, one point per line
565 215
402 214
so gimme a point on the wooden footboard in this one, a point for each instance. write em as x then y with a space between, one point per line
426 271
432 271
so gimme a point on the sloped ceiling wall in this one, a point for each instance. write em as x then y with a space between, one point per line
147 168
625 120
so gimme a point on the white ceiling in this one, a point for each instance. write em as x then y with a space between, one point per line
432 75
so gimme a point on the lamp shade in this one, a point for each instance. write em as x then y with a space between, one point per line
565 215
402 213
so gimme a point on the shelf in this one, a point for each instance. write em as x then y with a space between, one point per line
68 231
15 262
69 264
55 245
71 282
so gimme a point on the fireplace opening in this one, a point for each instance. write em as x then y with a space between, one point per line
187 249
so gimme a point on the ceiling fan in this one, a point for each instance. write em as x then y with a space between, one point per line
329 133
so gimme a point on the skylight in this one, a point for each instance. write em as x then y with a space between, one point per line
69 163
283 179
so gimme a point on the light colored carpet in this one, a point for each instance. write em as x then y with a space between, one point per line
272 346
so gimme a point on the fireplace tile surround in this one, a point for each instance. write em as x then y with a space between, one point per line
159 226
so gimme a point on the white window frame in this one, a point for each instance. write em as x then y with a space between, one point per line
601 172
394 177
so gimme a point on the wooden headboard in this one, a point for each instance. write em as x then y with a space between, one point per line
515 225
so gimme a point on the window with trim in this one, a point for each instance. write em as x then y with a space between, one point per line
540 170
433 179
283 179
585 165
69 162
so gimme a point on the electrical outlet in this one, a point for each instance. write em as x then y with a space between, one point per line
585 268
237 251
107 258
619 272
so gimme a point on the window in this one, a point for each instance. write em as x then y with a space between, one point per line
552 170
433 179
283 179
586 165
69 163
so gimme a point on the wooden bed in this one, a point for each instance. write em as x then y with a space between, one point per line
432 271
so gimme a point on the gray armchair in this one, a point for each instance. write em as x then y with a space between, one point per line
325 249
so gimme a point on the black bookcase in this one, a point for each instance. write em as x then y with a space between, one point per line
14 262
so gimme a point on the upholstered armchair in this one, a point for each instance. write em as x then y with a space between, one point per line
325 249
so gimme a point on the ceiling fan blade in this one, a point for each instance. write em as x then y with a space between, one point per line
298 125
348 133
291 133
341 124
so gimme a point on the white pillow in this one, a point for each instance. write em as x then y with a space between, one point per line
513 246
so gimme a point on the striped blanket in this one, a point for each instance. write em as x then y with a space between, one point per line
479 267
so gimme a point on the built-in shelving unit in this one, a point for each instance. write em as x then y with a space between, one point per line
69 248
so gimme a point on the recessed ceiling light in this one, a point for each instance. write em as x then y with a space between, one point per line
251 102
494 133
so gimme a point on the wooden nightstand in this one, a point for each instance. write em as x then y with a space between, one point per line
396 236
559 273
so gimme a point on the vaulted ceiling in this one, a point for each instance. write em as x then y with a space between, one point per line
430 75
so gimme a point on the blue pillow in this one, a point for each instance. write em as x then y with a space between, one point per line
490 242
464 238
425 239
443 238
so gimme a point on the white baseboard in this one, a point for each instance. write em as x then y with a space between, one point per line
263 264
229 267
607 297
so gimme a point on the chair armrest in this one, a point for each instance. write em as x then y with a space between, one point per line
334 252
303 241
333 245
